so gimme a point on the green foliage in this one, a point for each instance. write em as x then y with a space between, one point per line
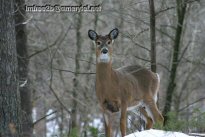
198 119
74 132
196 122
174 124
93 131
88 132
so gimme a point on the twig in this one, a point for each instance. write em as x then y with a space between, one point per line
146 23
194 62
184 51
37 121
40 51
80 102
52 45
165 67
163 10
81 60
51 71
73 71
58 99
65 90
198 100
141 58
137 44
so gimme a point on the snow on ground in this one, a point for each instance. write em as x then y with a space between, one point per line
158 133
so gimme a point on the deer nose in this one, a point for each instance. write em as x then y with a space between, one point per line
104 51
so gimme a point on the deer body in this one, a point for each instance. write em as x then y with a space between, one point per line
115 86
118 90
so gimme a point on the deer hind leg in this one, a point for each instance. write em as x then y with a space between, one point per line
153 111
107 124
146 118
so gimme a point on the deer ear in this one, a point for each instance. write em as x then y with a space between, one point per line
114 33
92 34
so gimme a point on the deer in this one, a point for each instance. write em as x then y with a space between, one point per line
125 88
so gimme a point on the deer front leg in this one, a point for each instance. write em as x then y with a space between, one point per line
123 119
108 125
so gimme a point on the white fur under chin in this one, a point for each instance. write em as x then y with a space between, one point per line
104 58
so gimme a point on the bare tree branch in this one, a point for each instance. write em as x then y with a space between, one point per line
142 58
52 45
198 100
58 99
90 62
51 71
37 121
64 70
165 67
137 44
183 52
163 10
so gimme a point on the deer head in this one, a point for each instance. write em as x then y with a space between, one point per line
104 45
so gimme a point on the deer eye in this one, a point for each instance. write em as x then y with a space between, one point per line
108 42
98 42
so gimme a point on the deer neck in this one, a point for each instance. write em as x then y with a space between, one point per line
104 72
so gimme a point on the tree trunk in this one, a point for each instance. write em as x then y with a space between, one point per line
152 36
88 88
40 129
77 68
21 44
10 112
61 126
39 105
181 10
121 25
92 48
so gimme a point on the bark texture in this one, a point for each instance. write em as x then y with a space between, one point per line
181 10
21 45
152 36
9 94
74 110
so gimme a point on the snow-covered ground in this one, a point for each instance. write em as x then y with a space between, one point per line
158 133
